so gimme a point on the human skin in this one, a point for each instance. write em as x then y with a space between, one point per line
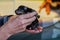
18 24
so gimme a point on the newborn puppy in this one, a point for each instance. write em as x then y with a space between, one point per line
24 10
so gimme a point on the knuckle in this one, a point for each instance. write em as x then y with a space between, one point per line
21 17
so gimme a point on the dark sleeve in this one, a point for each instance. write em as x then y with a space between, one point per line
1 21
4 19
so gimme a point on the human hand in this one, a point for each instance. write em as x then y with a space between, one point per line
18 24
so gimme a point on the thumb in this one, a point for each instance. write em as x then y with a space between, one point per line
12 18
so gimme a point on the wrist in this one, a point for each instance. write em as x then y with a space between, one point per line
4 35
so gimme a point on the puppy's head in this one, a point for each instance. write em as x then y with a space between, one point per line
24 10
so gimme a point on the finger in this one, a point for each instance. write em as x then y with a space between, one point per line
23 26
25 21
30 20
12 18
38 30
32 31
27 24
28 15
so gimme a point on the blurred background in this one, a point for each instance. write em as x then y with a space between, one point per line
8 7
